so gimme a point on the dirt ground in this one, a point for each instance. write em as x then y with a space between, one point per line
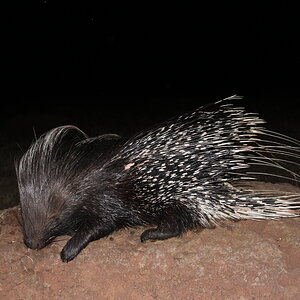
244 260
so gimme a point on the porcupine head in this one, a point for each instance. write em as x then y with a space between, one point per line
176 176
56 196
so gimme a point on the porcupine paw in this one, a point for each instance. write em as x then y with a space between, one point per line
154 234
68 253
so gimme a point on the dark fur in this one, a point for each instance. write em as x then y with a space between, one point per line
89 187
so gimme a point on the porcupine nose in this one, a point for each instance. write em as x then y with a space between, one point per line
32 244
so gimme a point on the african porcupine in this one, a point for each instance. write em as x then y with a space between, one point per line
180 175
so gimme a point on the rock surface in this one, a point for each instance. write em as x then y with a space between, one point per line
243 260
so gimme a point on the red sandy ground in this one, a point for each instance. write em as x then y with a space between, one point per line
246 260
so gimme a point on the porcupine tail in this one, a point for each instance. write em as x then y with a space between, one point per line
274 158
270 158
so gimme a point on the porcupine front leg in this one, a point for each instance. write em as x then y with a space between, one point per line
81 239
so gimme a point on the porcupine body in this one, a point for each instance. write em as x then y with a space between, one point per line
181 175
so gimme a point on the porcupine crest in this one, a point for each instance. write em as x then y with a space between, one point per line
180 175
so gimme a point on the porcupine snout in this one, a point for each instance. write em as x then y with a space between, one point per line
32 244
35 242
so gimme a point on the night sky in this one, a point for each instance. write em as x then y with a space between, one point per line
122 67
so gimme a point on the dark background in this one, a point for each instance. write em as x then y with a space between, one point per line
123 67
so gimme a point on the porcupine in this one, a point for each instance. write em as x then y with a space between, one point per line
178 176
